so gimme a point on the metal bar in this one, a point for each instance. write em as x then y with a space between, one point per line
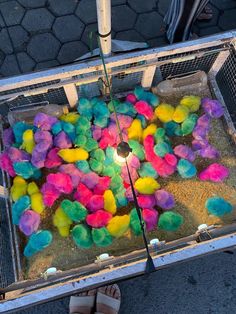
104 25
119 273
90 66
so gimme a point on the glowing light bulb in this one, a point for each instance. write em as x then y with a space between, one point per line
122 153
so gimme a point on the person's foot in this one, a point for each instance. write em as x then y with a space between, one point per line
83 303
206 14
108 300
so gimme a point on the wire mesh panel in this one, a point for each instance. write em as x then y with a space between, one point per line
53 96
203 63
125 82
6 266
226 80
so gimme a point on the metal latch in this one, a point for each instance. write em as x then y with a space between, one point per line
202 232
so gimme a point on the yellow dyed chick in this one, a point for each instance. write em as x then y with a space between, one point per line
62 222
149 130
118 225
109 202
19 188
164 112
32 188
146 185
180 114
135 131
37 202
28 141
191 102
73 155
70 117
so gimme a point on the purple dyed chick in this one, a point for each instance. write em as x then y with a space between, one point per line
90 179
200 133
18 155
8 137
184 151
212 107
44 121
38 158
29 222
204 121
209 152
62 140
164 199
199 144
97 132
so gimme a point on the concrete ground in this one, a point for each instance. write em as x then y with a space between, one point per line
203 286
38 34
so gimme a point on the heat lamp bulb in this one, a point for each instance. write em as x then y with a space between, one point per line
122 153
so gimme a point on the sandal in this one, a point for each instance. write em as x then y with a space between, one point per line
108 300
83 303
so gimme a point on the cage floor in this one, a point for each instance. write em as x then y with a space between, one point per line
190 196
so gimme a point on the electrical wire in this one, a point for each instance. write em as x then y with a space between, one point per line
149 264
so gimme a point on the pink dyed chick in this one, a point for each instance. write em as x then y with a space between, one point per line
53 160
148 144
44 121
129 194
107 139
98 219
95 203
61 181
142 107
50 194
102 185
134 162
215 172
73 172
146 201
124 121
125 176
131 98
90 179
164 199
29 222
6 164
150 217
83 194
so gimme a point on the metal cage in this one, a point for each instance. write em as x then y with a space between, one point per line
216 56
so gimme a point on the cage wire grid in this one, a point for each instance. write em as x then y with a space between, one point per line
226 80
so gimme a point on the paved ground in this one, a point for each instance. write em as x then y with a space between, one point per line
203 286
37 34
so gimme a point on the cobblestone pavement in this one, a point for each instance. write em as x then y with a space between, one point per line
38 34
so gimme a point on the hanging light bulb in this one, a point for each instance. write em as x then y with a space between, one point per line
122 153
